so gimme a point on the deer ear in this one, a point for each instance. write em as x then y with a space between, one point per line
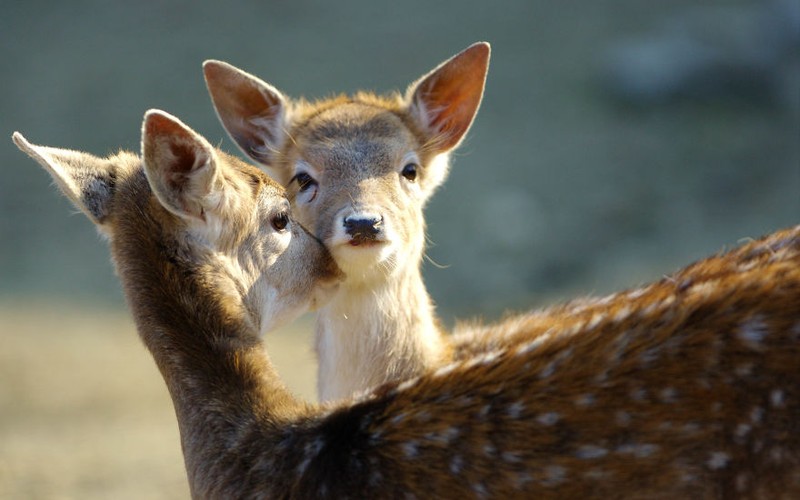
446 100
252 111
180 165
88 181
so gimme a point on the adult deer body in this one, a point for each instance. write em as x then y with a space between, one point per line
687 388
359 171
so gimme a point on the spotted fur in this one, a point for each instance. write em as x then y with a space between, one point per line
686 388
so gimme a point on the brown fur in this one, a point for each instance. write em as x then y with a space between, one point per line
686 388
356 148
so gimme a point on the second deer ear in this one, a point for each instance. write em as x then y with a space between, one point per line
252 111
446 100
88 181
180 165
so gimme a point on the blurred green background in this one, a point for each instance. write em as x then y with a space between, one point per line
617 141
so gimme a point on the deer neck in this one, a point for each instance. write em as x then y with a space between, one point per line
371 334
222 384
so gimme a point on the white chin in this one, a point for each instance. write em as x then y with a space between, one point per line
364 260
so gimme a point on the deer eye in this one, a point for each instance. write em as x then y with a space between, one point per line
306 185
304 181
410 172
280 221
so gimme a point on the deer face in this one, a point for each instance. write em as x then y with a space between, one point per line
237 219
227 220
356 179
359 170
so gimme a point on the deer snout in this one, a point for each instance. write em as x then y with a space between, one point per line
363 227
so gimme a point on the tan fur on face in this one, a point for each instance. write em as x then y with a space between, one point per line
355 148
686 388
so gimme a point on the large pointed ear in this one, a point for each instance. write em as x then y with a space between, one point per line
88 181
180 165
252 111
446 100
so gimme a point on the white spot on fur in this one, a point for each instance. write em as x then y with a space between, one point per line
776 398
457 464
446 370
648 356
585 400
554 475
375 477
742 430
480 490
530 346
408 384
311 450
705 288
756 415
423 416
622 418
718 460
398 418
691 427
464 401
635 294
622 314
411 449
777 455
753 332
668 395
446 436
596 474
638 394
483 359
549 418
638 450
656 305
522 479
591 451
596 319
548 370
515 409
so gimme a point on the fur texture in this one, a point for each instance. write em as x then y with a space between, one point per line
686 388
375 160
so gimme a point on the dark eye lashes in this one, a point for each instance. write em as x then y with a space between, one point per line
304 181
410 172
280 221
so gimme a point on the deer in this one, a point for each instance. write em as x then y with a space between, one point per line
359 170
687 387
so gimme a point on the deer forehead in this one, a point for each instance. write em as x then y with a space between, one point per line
249 198
355 138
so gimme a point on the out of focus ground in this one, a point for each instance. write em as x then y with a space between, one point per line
84 413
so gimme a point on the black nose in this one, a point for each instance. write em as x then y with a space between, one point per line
362 227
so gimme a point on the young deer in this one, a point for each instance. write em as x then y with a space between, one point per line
688 388
359 171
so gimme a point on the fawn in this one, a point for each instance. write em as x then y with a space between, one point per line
359 171
689 387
